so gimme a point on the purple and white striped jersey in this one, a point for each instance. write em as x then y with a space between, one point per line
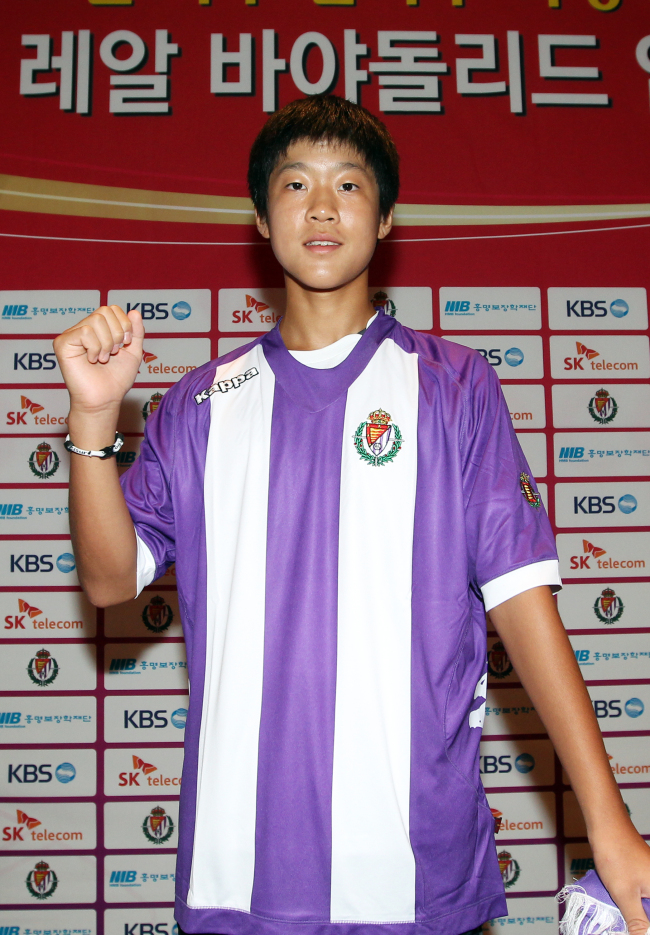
334 531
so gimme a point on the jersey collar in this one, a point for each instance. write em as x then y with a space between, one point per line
314 390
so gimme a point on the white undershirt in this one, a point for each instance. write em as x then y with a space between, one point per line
331 356
494 592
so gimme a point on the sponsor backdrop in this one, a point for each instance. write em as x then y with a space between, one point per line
522 231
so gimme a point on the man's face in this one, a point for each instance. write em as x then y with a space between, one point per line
323 215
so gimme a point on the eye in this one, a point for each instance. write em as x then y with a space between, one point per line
295 186
348 186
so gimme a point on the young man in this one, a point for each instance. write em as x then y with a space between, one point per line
344 498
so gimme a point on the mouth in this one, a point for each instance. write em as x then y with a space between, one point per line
322 245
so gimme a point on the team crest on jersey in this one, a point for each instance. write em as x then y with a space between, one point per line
43 462
41 881
158 826
530 494
510 869
602 407
151 405
609 607
43 668
498 661
157 615
378 439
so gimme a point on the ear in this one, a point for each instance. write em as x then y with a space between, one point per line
385 225
262 226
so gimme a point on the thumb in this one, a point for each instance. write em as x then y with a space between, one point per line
635 917
137 333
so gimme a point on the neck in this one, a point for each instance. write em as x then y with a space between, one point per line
316 319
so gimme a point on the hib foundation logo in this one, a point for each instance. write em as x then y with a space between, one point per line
592 454
598 309
626 554
48 311
490 309
614 355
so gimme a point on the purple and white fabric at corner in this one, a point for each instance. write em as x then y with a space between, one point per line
332 530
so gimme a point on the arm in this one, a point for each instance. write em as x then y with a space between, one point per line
99 359
535 639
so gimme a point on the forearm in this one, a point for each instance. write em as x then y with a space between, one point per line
537 644
103 536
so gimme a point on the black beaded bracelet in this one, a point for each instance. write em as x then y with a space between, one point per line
103 453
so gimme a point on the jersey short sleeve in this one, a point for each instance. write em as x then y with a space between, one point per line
510 540
147 491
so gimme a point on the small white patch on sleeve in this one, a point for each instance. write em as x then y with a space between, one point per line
477 717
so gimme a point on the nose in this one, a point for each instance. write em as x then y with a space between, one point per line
322 205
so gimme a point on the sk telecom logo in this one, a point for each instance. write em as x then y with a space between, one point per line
590 551
15 621
140 768
147 357
23 823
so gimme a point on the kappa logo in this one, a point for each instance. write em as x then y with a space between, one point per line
43 462
157 615
530 495
509 867
42 881
602 407
151 404
609 607
43 668
158 826
498 661
223 386
378 439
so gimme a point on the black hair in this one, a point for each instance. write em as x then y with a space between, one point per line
324 117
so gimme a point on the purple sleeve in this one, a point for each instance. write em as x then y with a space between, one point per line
147 486
506 523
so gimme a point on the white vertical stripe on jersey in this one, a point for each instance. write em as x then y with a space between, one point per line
373 868
236 505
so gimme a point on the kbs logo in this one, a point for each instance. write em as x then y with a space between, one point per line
513 357
602 407
158 826
30 773
633 708
585 308
33 360
489 764
43 668
596 505
42 881
43 462
31 564
159 311
609 607
509 868
144 719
